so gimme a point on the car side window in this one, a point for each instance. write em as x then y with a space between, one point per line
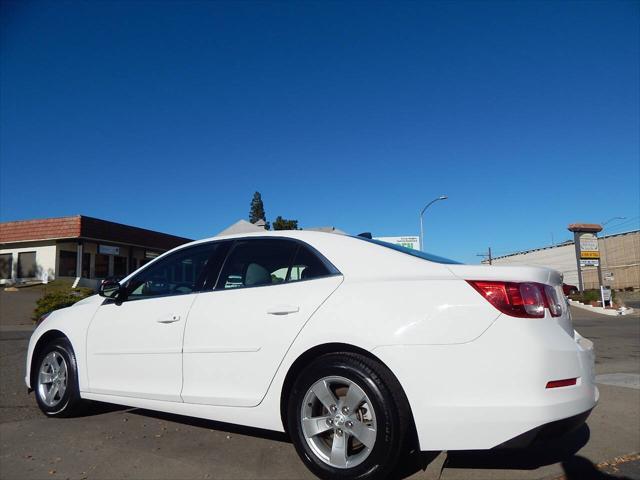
177 274
307 265
259 262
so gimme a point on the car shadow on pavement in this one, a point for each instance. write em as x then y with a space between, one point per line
560 450
579 468
213 425
412 463
99 408
539 454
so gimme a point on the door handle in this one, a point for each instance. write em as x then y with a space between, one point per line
283 309
169 319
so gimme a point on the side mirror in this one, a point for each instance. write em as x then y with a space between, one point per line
110 289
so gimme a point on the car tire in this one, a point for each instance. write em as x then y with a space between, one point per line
55 380
348 417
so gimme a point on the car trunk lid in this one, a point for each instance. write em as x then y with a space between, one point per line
521 274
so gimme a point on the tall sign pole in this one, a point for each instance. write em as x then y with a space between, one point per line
576 241
587 252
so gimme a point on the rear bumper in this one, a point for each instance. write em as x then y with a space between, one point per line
482 394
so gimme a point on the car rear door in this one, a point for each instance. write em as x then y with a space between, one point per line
237 334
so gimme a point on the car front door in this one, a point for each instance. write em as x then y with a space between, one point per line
237 334
134 347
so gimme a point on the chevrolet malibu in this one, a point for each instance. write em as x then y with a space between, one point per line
358 349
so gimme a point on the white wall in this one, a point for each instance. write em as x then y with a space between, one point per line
561 258
619 254
45 258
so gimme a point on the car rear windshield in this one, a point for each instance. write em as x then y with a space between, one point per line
410 251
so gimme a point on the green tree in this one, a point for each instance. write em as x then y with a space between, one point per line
257 210
284 224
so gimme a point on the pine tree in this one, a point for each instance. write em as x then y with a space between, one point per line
257 210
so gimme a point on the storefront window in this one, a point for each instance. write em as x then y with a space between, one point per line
102 265
27 265
6 265
120 266
86 265
67 265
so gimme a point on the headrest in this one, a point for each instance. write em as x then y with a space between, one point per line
256 275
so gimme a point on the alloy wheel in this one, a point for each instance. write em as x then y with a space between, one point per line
338 422
52 379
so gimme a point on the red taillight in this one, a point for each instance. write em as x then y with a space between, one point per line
562 383
553 302
526 300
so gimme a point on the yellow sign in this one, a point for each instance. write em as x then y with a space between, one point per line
588 254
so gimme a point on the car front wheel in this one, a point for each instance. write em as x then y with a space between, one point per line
55 380
347 418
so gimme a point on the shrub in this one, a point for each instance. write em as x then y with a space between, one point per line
59 299
589 296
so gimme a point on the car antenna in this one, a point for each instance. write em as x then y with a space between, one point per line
365 235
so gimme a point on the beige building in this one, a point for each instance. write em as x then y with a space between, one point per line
619 257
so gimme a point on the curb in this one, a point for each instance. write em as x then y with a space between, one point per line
600 310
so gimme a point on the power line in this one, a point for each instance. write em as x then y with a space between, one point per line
625 222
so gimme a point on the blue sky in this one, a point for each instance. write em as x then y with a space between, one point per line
169 115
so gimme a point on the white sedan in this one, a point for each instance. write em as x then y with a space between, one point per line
357 348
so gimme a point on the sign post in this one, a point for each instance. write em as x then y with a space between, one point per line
605 293
578 262
587 252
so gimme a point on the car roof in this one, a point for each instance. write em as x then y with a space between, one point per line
350 255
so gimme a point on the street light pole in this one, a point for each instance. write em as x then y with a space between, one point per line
441 197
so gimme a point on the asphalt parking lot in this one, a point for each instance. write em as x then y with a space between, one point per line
113 442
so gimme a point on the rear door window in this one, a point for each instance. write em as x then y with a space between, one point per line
257 262
307 265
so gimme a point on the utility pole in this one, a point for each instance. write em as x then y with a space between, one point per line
487 256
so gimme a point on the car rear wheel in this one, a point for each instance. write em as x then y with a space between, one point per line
346 417
55 380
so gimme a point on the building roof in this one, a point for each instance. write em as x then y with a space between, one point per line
82 227
564 244
40 229
329 229
241 226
